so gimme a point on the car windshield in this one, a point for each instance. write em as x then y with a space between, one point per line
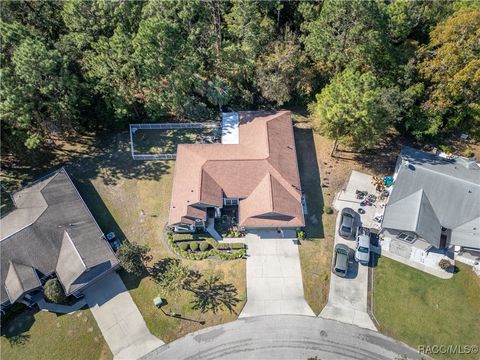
346 229
340 270
363 249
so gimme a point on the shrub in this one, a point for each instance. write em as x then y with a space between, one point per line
468 153
189 237
327 210
53 291
223 246
300 235
132 257
237 246
204 246
213 243
184 246
194 246
444 264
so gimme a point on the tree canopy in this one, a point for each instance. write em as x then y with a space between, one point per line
87 65
355 107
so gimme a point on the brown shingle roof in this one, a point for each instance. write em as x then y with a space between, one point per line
261 171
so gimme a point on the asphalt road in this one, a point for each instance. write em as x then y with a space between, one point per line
283 337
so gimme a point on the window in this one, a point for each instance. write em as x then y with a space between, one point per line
230 201
406 237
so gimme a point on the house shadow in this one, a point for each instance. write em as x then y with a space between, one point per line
310 180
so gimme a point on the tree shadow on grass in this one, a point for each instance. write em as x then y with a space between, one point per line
16 324
310 180
214 295
107 155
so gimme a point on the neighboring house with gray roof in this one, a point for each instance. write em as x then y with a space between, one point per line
434 202
51 231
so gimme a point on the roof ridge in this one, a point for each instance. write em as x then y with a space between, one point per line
446 162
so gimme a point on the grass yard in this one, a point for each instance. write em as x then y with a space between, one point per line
43 335
158 141
135 204
421 309
315 253
132 198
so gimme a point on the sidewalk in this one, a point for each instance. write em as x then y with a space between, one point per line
118 318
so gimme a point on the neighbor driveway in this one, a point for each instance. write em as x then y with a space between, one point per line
118 318
274 276
347 299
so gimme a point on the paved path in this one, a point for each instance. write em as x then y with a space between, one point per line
281 337
118 318
347 299
274 276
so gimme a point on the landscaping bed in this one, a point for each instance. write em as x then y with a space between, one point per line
200 247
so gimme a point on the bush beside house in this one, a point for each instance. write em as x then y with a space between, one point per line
53 291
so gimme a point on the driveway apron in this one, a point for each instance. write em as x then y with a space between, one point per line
347 299
274 276
118 318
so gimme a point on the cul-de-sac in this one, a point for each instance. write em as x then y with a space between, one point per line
240 179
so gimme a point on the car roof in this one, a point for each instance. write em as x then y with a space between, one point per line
364 240
348 211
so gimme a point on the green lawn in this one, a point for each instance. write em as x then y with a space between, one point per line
43 335
421 309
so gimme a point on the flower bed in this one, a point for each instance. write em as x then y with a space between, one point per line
202 247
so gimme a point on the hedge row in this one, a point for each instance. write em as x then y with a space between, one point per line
189 237
181 248
231 246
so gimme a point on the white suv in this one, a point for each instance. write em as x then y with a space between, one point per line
362 250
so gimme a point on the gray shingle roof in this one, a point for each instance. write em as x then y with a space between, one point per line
450 196
39 244
20 279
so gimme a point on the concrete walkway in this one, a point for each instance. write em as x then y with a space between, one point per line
274 276
347 299
118 318
61 309
284 337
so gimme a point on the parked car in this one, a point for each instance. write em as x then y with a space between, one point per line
362 251
347 223
340 260
113 241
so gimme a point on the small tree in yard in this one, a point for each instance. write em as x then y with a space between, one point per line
53 291
444 264
172 276
132 257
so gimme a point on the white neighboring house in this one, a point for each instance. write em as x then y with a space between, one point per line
434 205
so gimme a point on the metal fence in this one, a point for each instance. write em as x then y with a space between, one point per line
154 156
165 126
173 126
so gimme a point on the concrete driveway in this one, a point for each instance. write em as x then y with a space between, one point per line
284 337
274 276
118 318
347 299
